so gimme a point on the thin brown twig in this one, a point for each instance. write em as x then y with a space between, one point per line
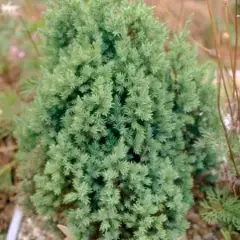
229 34
172 14
211 55
29 35
217 47
205 49
224 127
235 57
230 15
181 14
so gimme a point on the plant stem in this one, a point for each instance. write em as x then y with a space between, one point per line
29 36
225 130
217 48
229 34
216 42
181 14
235 57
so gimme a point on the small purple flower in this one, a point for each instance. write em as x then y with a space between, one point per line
14 50
34 36
21 54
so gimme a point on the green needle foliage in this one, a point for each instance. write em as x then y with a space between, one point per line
223 208
120 123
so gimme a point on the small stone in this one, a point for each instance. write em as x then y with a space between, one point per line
197 237
225 35
193 217
203 231
31 230
190 232
202 224
196 227
210 236
182 238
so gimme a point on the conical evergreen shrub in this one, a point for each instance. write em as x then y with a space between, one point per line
118 123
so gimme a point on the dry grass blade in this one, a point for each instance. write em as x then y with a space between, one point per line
10 106
7 149
7 167
66 232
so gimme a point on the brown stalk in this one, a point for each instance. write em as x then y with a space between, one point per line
208 51
27 4
181 14
226 10
226 91
172 14
217 47
230 15
29 35
225 88
225 130
235 57
229 34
